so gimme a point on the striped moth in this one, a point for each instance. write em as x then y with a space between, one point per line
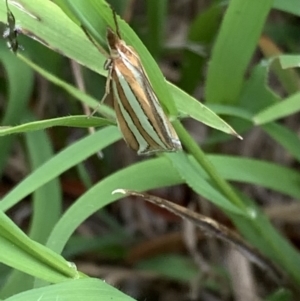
140 117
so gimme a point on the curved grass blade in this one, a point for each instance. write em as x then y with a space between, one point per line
19 83
78 94
30 256
66 159
71 121
74 290
286 107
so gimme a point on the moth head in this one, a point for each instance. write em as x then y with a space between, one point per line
116 45
113 42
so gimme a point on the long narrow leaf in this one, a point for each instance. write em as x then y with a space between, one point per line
67 158
290 105
233 49
72 121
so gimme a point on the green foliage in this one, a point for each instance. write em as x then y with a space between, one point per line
245 101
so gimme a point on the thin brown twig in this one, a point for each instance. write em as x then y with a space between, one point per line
212 227
76 68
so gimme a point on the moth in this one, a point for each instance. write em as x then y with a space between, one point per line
140 117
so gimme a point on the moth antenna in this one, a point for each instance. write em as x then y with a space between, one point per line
116 23
89 36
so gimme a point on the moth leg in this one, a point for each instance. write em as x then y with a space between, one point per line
107 90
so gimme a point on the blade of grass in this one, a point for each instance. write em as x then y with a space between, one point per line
78 94
75 290
202 32
189 106
19 83
259 173
140 176
147 175
286 107
288 78
67 158
156 16
285 137
71 121
22 253
48 197
194 177
289 60
234 48
45 199
274 248
289 6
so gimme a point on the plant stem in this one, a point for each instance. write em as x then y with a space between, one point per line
202 159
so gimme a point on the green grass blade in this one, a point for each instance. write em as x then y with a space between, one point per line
201 33
288 78
71 121
90 289
289 60
146 175
285 137
28 263
195 178
257 85
46 22
231 111
67 158
139 177
259 173
16 282
156 17
45 199
83 97
189 106
234 48
24 254
288 6
288 106
19 83
172 266
48 197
